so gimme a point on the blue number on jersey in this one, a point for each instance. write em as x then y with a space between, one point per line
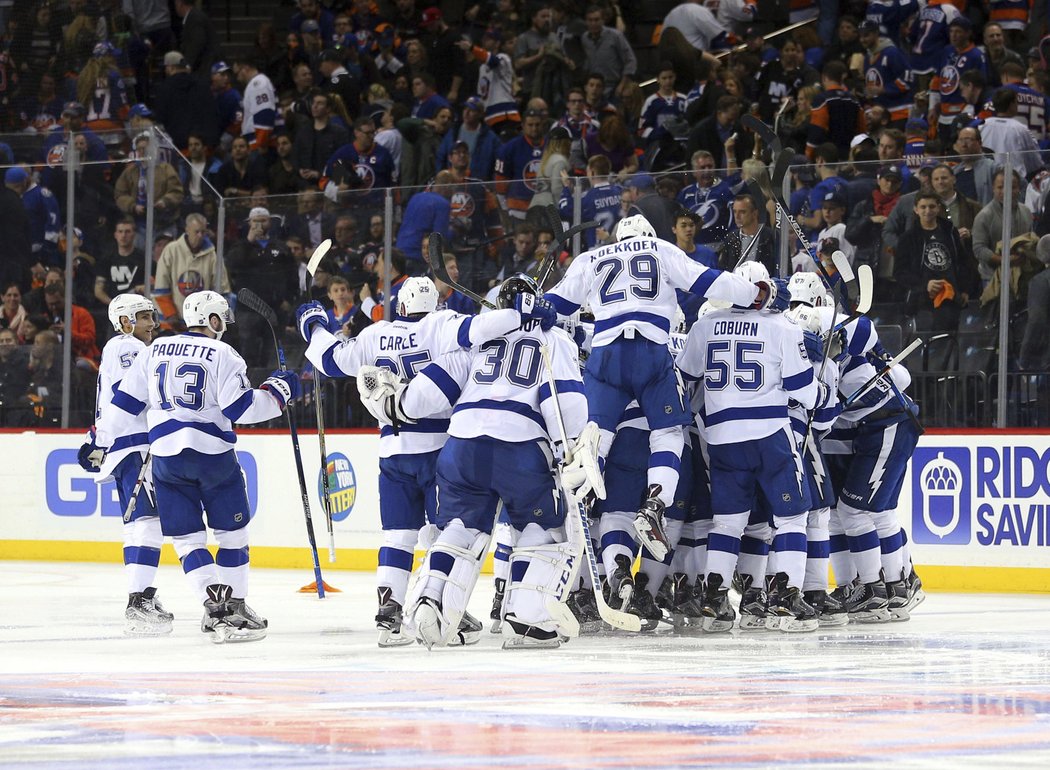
749 373
192 377
643 268
524 366
407 365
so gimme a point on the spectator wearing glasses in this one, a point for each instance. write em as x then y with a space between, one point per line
358 171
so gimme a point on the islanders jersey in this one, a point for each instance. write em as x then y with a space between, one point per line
888 69
630 286
119 431
373 169
1009 14
195 388
929 36
496 86
945 89
517 166
501 390
260 109
751 364
406 347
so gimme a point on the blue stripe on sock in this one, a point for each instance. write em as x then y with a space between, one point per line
869 541
818 549
396 558
790 541
502 552
232 557
890 544
665 460
195 559
838 543
138 554
619 537
724 543
752 546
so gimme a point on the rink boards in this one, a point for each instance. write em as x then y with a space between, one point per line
976 505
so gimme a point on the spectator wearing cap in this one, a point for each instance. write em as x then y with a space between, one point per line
662 107
974 170
495 81
446 61
184 103
14 224
867 219
315 142
642 198
518 164
836 116
229 104
607 51
997 53
130 188
428 211
481 141
262 263
100 88
750 236
946 99
312 10
783 77
41 208
553 174
826 163
885 72
187 264
1004 133
197 41
713 132
932 269
580 124
988 225
833 212
337 79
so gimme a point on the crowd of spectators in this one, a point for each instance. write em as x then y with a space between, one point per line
466 118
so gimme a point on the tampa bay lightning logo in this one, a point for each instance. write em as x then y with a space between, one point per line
711 213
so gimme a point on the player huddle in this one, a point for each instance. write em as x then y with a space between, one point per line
769 439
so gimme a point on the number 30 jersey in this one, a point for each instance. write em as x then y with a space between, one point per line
195 388
631 285
406 347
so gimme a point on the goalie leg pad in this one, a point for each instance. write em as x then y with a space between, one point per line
541 569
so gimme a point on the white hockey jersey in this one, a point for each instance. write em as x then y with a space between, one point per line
195 388
857 369
121 433
501 389
631 285
751 364
406 347
259 99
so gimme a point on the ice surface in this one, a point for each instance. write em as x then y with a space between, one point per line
965 683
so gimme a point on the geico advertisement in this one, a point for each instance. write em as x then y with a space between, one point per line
987 497
58 500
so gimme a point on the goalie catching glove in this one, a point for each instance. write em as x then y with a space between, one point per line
381 391
581 473
283 385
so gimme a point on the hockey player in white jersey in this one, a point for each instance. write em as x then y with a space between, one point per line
117 447
751 364
630 285
500 449
193 387
407 453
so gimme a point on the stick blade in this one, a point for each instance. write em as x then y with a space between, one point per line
319 253
866 284
624 621
254 302
843 266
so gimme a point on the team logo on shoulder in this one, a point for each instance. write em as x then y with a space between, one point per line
342 485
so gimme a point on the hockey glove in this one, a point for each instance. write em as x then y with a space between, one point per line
875 395
283 385
581 474
814 346
837 348
90 455
381 392
309 316
546 314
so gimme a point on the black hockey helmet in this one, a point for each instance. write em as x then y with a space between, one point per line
519 283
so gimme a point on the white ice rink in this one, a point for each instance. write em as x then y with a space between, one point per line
964 684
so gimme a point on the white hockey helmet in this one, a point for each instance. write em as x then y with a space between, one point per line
752 272
417 296
634 226
199 307
711 306
806 317
678 324
806 288
127 306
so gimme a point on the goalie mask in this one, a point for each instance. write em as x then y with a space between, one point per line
199 307
417 296
512 287
127 306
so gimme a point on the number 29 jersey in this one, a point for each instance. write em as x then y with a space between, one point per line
631 285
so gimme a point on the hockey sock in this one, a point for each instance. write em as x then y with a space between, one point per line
616 534
232 559
665 461
694 537
395 561
723 544
142 541
890 543
505 537
754 551
197 561
863 542
789 548
817 550
657 570
905 550
841 559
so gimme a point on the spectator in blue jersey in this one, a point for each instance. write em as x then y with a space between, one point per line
481 141
836 115
228 103
42 209
600 203
427 101
926 38
946 99
885 73
826 159
358 171
666 105
312 10
426 212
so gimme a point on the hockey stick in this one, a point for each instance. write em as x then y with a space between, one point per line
436 253
615 618
252 301
911 348
561 237
326 492
138 486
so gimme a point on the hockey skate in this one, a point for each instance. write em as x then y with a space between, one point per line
582 605
753 601
468 633
686 616
795 615
717 612
830 610
649 524
897 593
643 604
518 635
145 616
230 620
868 603
388 621
497 606
916 595
619 586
